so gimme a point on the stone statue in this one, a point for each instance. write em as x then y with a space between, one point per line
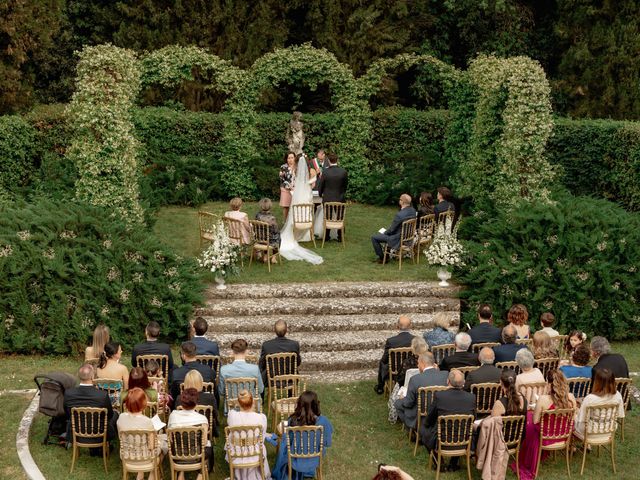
295 135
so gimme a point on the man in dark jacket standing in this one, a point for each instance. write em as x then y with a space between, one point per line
333 187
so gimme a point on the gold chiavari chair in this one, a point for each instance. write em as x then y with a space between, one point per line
89 430
395 358
162 407
512 431
112 387
245 448
162 360
599 430
559 342
454 440
407 240
213 362
532 391
476 347
305 442
509 365
208 387
556 428
425 230
425 397
442 351
467 370
232 386
285 389
249 358
580 387
151 410
139 452
209 412
278 364
449 215
187 450
206 226
262 242
333 219
546 365
487 394
528 342
623 385
303 218
234 230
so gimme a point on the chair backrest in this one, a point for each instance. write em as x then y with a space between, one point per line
244 442
454 431
601 419
533 391
449 214
559 341
304 442
211 361
525 341
89 424
149 411
234 228
556 425
426 225
187 444
232 386
442 351
396 357
476 347
207 411
287 386
334 212
513 430
112 387
467 370
249 358
546 365
579 386
302 214
425 398
206 222
487 394
408 231
138 445
509 365
208 387
260 232
623 385
163 361
285 363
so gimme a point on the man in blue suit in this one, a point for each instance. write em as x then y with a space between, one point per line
203 345
391 235
188 354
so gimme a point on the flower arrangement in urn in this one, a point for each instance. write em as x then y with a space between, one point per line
445 250
221 257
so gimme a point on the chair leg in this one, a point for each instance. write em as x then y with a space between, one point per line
438 465
518 463
73 456
313 237
415 448
269 259
613 454
384 255
566 456
344 242
400 259
105 454
251 255
622 430
469 464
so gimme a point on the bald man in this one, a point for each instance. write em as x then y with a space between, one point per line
486 373
391 235
280 344
402 339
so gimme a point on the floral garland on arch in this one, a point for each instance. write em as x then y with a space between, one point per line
221 257
445 250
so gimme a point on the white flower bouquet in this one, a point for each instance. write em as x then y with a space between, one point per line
445 250
221 257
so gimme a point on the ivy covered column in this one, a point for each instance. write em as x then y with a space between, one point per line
104 147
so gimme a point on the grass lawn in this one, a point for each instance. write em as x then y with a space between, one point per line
178 227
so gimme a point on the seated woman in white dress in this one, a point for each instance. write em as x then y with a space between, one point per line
242 217
247 417
603 392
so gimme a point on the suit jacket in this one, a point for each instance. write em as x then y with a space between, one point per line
403 339
276 345
614 362
443 207
485 374
332 186
152 348
448 402
237 369
88 396
507 352
205 347
395 229
485 332
459 359
179 375
407 407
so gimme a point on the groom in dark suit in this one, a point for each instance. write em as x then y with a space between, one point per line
333 186
391 235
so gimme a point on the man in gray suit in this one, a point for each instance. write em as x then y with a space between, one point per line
429 376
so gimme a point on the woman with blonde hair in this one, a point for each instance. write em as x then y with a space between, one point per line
440 335
247 417
99 340
543 346
518 316
407 370
244 227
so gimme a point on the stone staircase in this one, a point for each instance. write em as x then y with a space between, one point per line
341 327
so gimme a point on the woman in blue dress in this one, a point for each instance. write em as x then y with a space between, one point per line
307 412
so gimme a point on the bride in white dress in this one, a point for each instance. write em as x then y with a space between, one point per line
289 237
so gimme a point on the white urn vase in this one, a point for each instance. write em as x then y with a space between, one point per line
444 274
220 283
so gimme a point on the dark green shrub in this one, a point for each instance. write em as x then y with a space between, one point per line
578 258
66 267
17 148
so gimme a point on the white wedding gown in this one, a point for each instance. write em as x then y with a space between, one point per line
289 238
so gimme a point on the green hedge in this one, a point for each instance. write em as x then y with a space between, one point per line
578 258
17 153
66 267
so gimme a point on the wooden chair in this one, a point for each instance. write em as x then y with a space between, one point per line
513 431
262 242
559 342
425 397
448 215
303 218
580 387
249 358
467 370
207 411
213 362
162 408
285 388
305 442
546 365
425 231
206 225
333 219
208 387
89 430
407 241
163 361
476 347
151 410
278 364
395 358
139 453
487 394
528 342
599 430
232 386
112 387
623 385
556 426
533 391
454 440
442 351
187 450
245 448
234 230
509 365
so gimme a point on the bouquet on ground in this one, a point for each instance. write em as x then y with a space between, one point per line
445 250
221 257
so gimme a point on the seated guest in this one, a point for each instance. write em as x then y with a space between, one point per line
86 395
307 412
603 392
425 204
138 379
445 203
601 352
429 376
558 397
487 373
543 347
462 356
280 344
243 218
391 235
247 417
528 374
512 402
402 339
409 367
193 379
239 368
152 368
507 351
518 316
484 331
579 363
99 340
188 417
188 354
110 366
204 346
440 335
575 338
454 401
152 346
265 215
547 320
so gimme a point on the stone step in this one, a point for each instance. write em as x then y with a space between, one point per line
310 323
334 306
340 376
